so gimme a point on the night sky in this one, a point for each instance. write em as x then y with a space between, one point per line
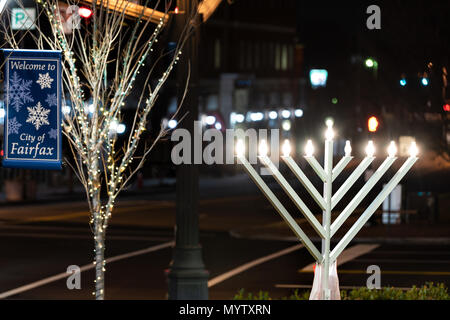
412 32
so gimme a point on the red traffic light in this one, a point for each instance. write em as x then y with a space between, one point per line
85 12
446 107
372 124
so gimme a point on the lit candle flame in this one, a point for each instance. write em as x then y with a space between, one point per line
413 151
329 134
370 149
392 149
348 148
240 148
263 149
286 148
309 149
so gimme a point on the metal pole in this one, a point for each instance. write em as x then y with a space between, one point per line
187 276
328 167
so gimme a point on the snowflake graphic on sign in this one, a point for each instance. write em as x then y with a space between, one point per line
53 133
19 91
51 100
13 126
45 81
38 116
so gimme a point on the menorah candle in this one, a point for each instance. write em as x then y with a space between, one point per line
344 161
240 149
362 193
289 190
387 189
326 201
304 180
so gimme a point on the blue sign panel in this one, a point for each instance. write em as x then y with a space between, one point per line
32 88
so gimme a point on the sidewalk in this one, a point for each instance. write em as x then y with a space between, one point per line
47 195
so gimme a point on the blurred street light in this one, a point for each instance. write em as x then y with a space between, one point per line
172 123
256 116
273 115
318 77
372 124
286 125
371 63
298 113
286 114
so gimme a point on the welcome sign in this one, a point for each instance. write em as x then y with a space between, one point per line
32 86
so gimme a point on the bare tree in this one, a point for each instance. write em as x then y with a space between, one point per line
104 59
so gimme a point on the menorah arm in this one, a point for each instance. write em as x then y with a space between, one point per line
294 196
281 210
371 209
340 166
305 181
350 181
317 168
362 193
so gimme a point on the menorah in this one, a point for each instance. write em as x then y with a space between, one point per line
327 201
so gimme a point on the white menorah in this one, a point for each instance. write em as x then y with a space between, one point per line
327 201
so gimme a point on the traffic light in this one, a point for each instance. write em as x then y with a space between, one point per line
446 106
371 63
372 124
85 12
403 82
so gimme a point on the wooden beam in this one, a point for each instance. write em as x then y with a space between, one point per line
133 10
207 8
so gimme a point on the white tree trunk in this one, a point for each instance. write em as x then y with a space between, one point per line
99 264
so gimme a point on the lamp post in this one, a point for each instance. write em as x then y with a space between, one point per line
327 201
187 276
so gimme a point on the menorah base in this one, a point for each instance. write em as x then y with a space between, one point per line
317 292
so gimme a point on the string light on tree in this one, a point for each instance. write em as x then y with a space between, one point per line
109 82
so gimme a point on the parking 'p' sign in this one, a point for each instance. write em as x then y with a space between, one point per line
23 18
32 137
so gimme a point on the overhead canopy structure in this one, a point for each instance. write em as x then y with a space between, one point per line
206 8
133 10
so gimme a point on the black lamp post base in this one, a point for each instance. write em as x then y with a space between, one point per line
187 277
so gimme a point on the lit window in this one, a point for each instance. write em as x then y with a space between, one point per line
284 58
277 56
217 54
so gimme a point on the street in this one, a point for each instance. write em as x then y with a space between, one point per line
40 241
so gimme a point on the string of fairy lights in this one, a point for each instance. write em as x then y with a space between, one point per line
90 136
